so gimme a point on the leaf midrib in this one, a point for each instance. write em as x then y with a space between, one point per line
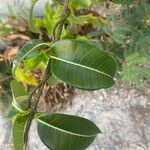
79 65
67 132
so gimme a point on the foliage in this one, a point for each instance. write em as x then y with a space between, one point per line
77 50
135 67
125 34
16 12
19 124
80 61
70 132
4 29
129 31
31 58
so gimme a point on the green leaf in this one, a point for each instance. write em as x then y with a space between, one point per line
82 64
77 3
146 73
33 62
31 18
29 49
20 96
19 125
135 58
50 17
84 19
135 67
143 46
66 132
80 3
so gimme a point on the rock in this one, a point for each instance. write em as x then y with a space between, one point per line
122 114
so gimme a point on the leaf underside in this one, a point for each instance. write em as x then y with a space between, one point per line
82 64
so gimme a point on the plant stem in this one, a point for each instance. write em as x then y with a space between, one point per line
33 108
29 121
64 15
34 90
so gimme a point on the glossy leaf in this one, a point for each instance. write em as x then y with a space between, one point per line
19 125
29 49
31 18
82 64
20 96
66 132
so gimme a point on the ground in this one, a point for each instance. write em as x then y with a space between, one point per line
122 114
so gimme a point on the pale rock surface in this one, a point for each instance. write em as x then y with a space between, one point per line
122 114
